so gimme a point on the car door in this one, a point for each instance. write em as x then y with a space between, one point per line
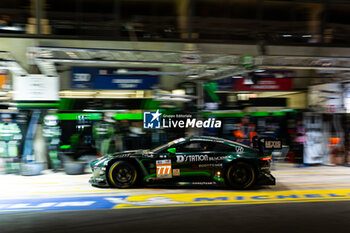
192 161
198 160
183 163
222 152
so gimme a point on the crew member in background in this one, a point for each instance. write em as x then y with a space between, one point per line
245 131
52 133
10 134
347 142
300 139
103 133
336 142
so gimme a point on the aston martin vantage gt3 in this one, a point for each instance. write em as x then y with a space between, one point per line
193 160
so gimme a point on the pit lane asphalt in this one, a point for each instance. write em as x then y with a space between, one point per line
315 215
49 184
282 218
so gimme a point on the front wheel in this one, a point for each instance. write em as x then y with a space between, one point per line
240 175
122 174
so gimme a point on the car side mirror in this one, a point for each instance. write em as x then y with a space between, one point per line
172 150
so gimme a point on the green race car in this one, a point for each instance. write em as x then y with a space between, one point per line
194 160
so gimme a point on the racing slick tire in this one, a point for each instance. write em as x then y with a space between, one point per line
240 175
122 174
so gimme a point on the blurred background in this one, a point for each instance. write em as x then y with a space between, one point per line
76 76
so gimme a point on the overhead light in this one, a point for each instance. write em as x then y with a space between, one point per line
171 95
248 81
193 76
172 99
140 94
77 97
71 54
112 97
279 75
78 92
105 110
237 76
178 92
12 28
122 71
116 93
260 71
167 106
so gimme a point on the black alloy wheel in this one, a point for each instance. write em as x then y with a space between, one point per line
122 174
240 175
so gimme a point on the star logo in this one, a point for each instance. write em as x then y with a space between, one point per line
151 120
155 115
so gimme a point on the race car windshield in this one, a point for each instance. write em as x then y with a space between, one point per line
236 143
169 144
230 142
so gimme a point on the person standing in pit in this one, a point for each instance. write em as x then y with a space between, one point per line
245 131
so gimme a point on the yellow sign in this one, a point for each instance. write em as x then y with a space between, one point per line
231 198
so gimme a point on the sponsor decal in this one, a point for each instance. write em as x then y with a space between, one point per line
275 144
218 158
163 168
239 149
203 183
191 158
155 120
151 201
196 199
199 158
56 204
210 165
169 200
176 172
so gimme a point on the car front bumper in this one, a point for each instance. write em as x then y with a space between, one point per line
98 178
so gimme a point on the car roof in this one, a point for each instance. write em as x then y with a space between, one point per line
214 139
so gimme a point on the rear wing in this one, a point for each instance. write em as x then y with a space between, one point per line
266 145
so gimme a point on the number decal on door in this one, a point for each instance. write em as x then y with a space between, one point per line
164 168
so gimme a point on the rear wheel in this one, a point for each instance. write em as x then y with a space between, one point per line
122 174
240 175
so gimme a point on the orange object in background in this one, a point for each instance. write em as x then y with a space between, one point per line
252 134
3 80
334 141
238 134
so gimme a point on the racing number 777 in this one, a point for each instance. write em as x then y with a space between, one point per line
163 169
